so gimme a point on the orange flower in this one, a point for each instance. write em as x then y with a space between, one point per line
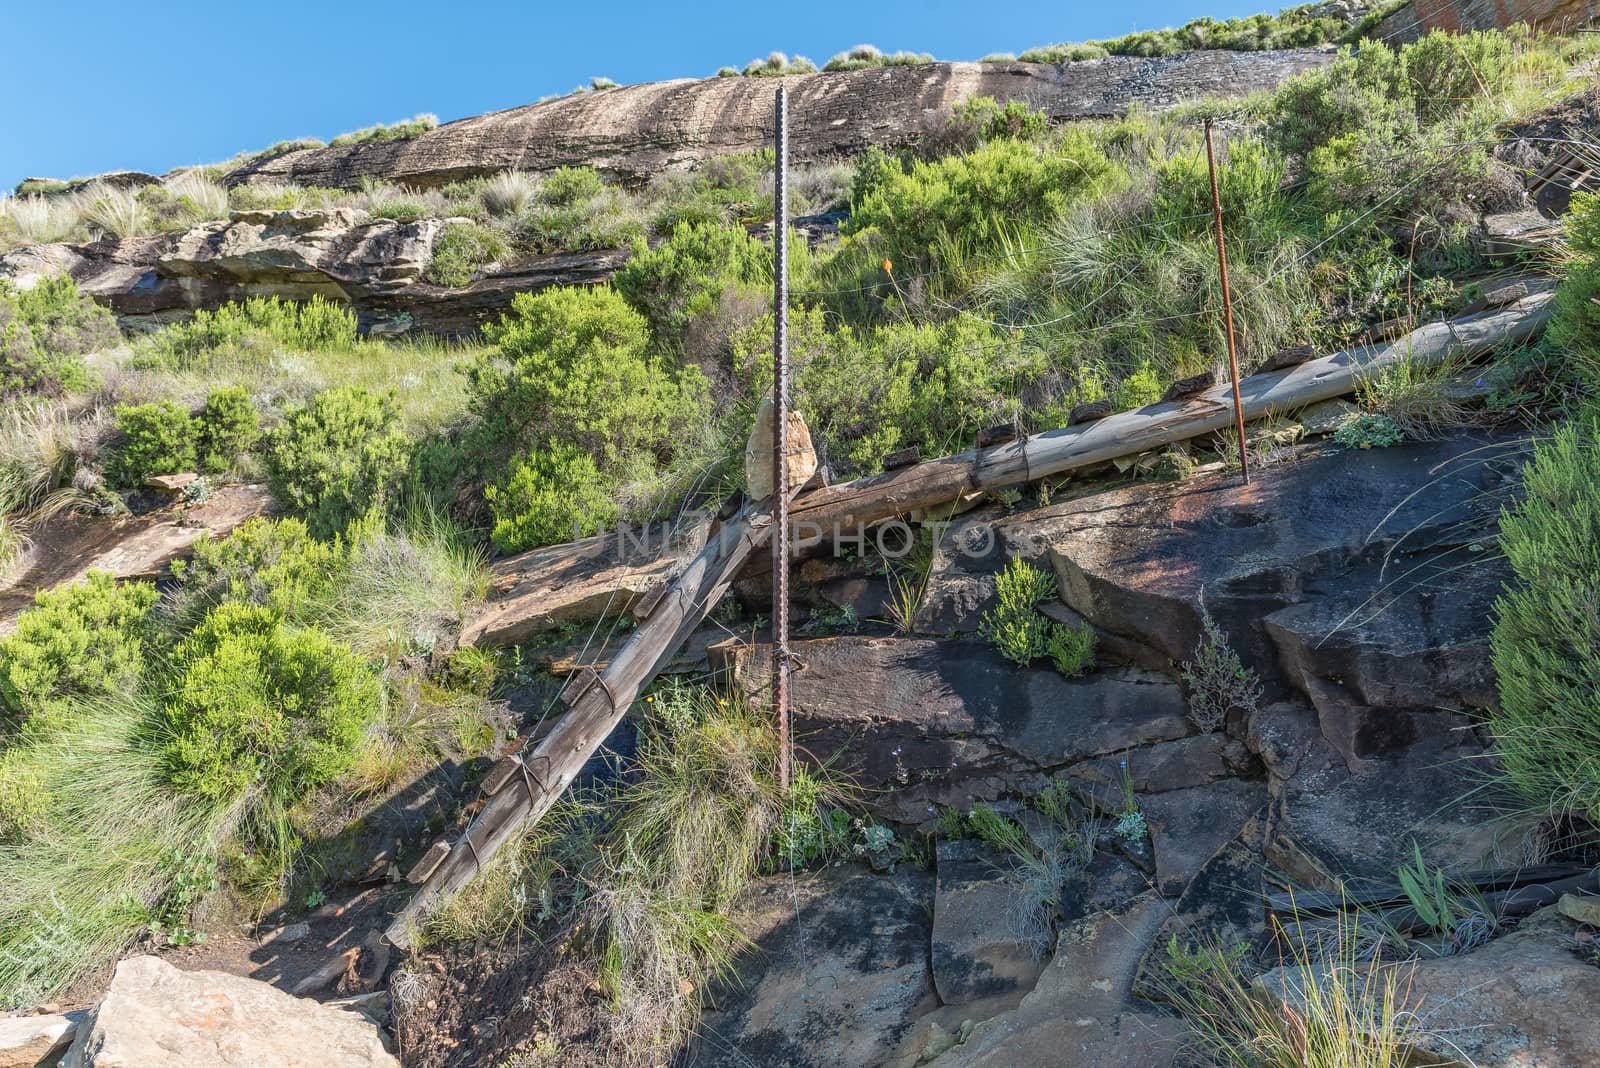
888 266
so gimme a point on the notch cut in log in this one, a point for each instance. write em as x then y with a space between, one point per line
847 508
598 701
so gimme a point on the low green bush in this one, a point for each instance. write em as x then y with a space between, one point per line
153 439
990 120
1545 644
573 210
86 639
337 458
45 331
228 427
258 706
461 251
572 366
404 130
272 563
316 325
687 275
1071 649
1014 625
1575 324
551 495
958 207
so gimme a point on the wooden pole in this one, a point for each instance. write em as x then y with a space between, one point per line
780 431
846 508
1227 308
522 787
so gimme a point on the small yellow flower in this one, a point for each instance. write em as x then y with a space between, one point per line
888 266
649 700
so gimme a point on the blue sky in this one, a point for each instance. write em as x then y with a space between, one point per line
101 85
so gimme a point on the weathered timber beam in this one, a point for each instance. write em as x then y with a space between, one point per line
848 506
547 772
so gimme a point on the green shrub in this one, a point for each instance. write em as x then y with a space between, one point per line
1575 324
461 251
991 121
228 427
260 707
725 189
1546 639
317 325
81 640
573 211
272 563
337 458
401 211
551 496
404 130
1014 624
155 439
44 333
571 366
1071 649
862 57
1368 431
959 206
688 273
867 394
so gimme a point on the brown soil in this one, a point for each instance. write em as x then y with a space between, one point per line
528 1003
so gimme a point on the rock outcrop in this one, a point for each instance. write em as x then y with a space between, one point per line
127 546
1524 1000
1420 17
373 265
634 131
154 1016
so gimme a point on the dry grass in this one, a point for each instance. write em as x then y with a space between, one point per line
1422 400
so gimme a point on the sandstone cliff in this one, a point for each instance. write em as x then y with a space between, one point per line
634 131
1458 16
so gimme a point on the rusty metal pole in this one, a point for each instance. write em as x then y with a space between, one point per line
780 433
1227 307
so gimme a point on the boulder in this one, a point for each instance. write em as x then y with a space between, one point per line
154 1015
125 545
29 1040
926 722
1222 905
800 462
636 131
324 251
1331 821
1524 1000
1363 569
1512 232
1417 18
579 582
1080 1013
839 976
983 945
373 266
1188 827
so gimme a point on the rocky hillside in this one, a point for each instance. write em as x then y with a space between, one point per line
386 611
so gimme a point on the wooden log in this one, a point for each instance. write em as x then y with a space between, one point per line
429 863
598 701
845 508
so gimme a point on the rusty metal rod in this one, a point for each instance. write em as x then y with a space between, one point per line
1227 307
780 433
